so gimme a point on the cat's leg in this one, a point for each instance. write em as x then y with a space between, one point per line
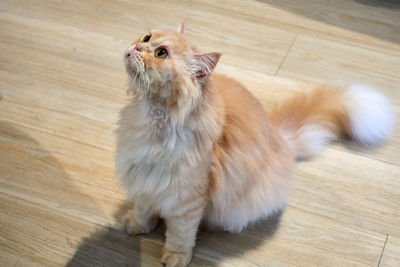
181 234
139 219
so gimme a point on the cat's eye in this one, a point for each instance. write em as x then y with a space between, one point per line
147 38
161 53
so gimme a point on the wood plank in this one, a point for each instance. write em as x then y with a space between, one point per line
12 250
263 53
353 22
66 96
338 62
352 190
31 172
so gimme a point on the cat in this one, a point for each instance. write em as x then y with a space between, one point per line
195 146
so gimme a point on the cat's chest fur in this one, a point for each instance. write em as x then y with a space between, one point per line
155 151
159 122
147 132
151 147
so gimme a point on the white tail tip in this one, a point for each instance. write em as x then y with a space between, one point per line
371 116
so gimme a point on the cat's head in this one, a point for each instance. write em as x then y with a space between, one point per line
163 63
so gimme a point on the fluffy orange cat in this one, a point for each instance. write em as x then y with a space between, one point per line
195 146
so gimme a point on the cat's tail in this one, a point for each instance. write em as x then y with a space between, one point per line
310 121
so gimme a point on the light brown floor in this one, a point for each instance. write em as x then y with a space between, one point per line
62 83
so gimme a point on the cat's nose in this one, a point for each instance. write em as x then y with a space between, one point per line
137 47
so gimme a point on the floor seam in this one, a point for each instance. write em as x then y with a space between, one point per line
284 58
383 250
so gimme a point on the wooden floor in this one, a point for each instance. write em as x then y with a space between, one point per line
62 84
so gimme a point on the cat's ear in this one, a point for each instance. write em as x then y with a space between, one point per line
205 64
181 28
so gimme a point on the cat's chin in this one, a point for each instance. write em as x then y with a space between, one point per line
132 71
131 67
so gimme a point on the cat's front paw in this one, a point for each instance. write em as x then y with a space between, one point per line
133 226
176 259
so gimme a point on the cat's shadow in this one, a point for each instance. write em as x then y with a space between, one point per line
220 246
212 247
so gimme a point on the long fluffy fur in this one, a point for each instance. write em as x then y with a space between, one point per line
194 146
310 121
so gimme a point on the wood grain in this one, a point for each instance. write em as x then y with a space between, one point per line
62 84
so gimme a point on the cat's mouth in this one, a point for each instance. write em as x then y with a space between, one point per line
134 64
